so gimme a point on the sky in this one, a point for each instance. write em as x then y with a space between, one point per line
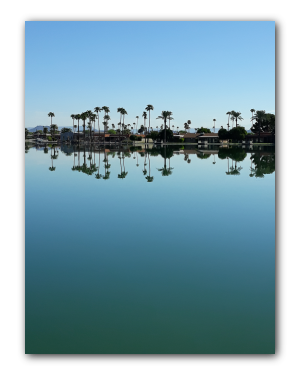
199 70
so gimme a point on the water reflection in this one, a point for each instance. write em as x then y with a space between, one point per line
88 159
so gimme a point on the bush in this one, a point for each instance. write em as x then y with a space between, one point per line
138 138
132 137
49 138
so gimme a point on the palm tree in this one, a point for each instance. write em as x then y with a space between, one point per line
164 115
149 108
137 121
93 120
53 129
170 118
252 111
228 113
259 116
124 112
186 127
120 110
45 130
51 114
73 118
236 116
214 120
83 117
105 117
89 115
78 117
189 122
145 117
97 110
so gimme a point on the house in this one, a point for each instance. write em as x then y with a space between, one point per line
264 137
208 138
191 137
201 137
67 136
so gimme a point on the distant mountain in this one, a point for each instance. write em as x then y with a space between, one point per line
41 127
38 127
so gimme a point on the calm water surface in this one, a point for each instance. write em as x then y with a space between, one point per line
163 251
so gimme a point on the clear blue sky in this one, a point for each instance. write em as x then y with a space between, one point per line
197 70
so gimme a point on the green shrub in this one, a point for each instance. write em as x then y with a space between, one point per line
49 138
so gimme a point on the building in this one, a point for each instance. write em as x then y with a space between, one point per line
202 137
66 137
264 137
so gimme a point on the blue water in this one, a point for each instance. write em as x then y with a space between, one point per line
183 263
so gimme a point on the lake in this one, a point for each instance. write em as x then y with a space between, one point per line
167 250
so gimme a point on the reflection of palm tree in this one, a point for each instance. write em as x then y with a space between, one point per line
165 171
149 178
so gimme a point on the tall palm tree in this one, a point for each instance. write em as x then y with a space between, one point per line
149 108
98 110
236 116
89 115
164 116
105 117
73 118
51 114
120 110
177 129
145 117
137 121
78 117
259 116
214 120
83 117
170 118
228 113
189 122
186 127
92 118
252 111
123 112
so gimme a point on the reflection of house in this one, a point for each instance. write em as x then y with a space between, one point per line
264 137
67 136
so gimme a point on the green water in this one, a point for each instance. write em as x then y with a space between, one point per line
150 251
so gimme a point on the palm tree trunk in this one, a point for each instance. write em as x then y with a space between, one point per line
165 135
78 131
104 129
